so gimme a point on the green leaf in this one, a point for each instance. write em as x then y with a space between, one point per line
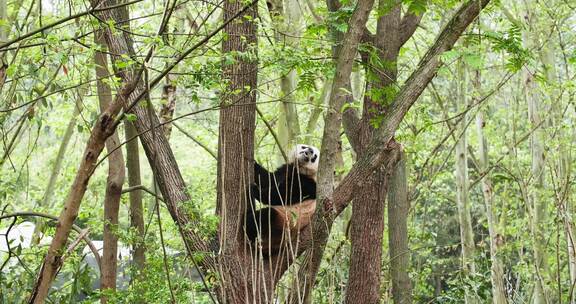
130 117
474 60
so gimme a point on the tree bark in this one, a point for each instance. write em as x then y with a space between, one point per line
398 208
135 197
496 239
156 146
114 181
330 139
367 222
236 160
462 182
103 128
367 225
381 147
537 203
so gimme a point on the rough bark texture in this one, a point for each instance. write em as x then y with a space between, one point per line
398 207
170 181
168 103
331 137
114 181
367 224
168 177
103 128
379 150
236 161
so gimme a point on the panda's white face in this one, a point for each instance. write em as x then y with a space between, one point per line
306 157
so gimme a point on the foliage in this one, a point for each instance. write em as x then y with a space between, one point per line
47 73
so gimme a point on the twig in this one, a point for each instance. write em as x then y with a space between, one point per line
205 147
273 134
58 22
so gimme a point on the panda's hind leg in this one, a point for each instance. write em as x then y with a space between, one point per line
261 222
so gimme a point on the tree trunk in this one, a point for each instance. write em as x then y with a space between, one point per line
156 146
398 207
496 239
462 201
330 139
168 103
103 128
236 161
379 150
135 196
114 181
537 202
367 224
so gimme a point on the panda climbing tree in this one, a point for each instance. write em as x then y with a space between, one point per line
290 191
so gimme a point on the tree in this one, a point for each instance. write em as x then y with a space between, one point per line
381 60
381 147
462 182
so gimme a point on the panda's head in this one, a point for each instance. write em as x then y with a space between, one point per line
306 157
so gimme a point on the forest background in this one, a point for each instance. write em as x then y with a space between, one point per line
446 131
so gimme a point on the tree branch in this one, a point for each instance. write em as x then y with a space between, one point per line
408 26
382 150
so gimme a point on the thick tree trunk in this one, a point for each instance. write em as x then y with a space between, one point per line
158 152
379 150
236 161
367 225
462 201
331 138
114 181
398 207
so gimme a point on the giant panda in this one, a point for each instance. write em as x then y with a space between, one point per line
290 190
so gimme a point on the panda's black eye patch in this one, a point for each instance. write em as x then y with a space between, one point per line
314 158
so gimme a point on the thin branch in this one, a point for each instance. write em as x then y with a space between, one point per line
143 188
273 134
205 147
58 22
